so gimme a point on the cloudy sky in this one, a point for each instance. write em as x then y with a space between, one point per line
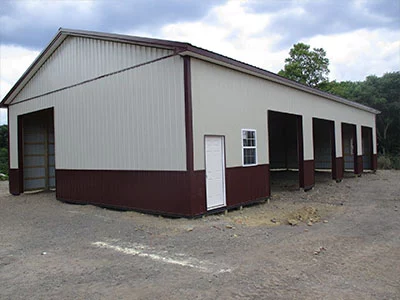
361 37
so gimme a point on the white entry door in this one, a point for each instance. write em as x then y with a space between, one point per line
215 172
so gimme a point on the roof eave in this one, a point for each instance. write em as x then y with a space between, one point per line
255 71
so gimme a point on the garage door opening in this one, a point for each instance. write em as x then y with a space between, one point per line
367 148
324 149
283 134
349 142
37 151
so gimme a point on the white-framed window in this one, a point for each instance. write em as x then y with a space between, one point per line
249 147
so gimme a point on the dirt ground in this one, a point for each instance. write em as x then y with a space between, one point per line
344 244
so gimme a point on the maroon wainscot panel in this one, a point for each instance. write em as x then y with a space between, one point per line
338 169
198 192
165 192
308 174
15 183
359 165
247 184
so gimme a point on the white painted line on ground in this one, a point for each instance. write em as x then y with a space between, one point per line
143 251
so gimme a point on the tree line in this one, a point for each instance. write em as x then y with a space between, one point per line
311 67
3 150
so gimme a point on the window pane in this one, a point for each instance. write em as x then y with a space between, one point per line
249 156
249 144
249 138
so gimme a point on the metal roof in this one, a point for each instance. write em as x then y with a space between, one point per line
181 48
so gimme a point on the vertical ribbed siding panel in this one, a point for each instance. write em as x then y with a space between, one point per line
132 120
226 101
78 59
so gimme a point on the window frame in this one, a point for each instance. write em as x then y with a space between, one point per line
249 147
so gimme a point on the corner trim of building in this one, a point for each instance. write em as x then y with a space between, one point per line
188 112
192 177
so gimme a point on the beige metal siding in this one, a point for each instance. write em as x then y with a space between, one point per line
132 120
225 101
78 59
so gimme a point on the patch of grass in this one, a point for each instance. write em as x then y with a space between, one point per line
389 162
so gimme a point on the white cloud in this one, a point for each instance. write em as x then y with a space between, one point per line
232 31
13 63
56 10
357 54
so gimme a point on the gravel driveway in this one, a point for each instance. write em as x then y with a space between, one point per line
345 245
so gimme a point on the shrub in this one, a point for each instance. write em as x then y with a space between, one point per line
389 162
384 162
396 162
4 161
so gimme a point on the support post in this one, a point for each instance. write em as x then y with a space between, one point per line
358 151
337 153
305 145
374 148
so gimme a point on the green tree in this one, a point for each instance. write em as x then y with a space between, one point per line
350 90
4 149
3 136
4 160
381 93
310 67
